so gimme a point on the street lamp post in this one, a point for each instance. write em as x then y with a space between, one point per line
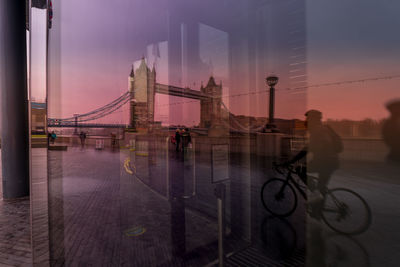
271 81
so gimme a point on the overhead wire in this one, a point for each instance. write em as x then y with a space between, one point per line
117 103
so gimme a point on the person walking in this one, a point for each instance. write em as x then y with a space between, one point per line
186 139
49 139
53 137
177 139
82 136
113 141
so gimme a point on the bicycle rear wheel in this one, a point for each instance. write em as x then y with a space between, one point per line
278 197
346 212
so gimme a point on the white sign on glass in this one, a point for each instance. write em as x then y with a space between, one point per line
219 163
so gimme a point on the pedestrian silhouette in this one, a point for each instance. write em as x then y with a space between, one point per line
113 141
186 139
82 136
51 137
177 139
391 131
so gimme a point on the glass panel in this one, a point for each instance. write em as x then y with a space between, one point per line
353 75
197 133
39 140
167 168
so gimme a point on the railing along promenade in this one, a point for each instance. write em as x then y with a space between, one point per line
355 148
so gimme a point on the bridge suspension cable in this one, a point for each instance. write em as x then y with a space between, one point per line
107 111
242 128
99 112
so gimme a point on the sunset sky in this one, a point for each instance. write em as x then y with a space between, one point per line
345 41
352 40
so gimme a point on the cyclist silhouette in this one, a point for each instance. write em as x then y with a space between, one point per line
322 150
342 209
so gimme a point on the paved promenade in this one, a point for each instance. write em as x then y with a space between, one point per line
110 218
15 239
100 214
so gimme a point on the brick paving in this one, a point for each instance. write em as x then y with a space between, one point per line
100 201
15 240
97 214
96 210
39 208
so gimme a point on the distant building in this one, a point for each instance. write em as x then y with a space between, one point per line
38 114
366 128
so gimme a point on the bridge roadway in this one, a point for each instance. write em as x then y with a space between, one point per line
87 125
181 92
96 205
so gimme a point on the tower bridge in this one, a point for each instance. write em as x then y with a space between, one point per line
141 98
143 87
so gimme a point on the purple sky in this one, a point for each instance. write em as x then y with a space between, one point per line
349 40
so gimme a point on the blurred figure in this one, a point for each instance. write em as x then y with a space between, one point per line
325 146
82 136
323 149
51 137
391 131
113 141
48 138
177 139
186 139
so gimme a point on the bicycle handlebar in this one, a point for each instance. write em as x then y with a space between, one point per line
289 167
276 167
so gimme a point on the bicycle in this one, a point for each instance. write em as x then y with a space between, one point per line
343 210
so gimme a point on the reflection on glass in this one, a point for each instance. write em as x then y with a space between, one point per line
39 135
159 142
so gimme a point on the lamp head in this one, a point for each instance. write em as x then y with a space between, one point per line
272 80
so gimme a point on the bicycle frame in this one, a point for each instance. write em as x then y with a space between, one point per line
289 178
330 204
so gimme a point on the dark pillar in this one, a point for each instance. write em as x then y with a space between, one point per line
14 103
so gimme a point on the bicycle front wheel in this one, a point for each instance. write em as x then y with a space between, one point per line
346 212
278 197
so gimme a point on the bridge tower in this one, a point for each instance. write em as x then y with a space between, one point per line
142 87
210 109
